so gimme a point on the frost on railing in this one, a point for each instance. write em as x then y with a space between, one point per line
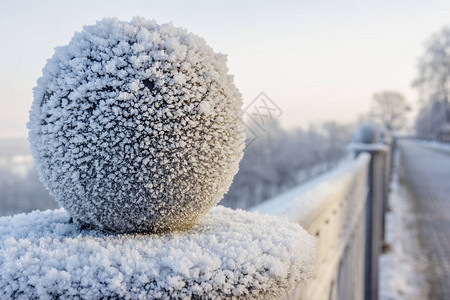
332 208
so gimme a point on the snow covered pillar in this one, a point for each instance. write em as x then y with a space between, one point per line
375 209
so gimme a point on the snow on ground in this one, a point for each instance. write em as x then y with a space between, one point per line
229 254
402 266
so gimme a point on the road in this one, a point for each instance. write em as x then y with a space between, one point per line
427 174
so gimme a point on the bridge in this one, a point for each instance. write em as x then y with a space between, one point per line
345 209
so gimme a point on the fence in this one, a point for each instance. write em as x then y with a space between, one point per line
230 253
344 209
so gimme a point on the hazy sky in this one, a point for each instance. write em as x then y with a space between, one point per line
318 60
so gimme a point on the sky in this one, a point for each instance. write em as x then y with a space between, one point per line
317 60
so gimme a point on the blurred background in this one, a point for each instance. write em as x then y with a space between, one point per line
326 66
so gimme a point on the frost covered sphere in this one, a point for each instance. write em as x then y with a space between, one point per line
367 133
136 127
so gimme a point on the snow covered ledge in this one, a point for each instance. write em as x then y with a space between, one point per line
228 254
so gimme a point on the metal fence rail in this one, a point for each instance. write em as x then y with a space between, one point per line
344 209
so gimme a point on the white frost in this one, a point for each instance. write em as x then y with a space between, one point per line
205 107
115 130
228 254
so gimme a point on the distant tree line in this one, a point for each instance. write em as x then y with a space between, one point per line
280 159
433 83
20 194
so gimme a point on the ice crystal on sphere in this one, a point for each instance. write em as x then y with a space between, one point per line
136 127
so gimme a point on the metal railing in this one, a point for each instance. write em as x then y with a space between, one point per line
345 210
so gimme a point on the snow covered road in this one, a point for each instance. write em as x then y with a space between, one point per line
427 174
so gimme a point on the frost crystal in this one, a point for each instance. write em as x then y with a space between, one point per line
227 255
136 126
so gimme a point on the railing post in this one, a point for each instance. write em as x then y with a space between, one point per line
387 179
376 206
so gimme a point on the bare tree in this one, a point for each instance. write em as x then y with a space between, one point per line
433 80
389 108
430 122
